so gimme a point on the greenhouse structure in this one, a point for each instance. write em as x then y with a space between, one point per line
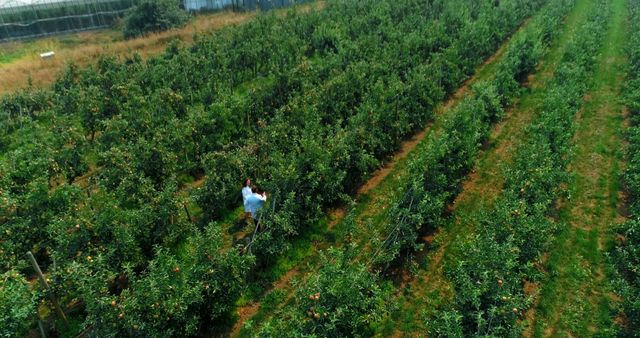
199 5
21 19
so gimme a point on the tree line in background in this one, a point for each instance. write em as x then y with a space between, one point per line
149 16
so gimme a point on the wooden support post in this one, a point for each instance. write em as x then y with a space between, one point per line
45 285
43 333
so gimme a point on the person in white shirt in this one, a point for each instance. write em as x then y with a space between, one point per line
255 202
246 192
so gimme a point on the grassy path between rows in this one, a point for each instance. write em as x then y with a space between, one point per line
372 201
576 298
428 291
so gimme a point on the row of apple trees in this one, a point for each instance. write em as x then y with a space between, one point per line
626 255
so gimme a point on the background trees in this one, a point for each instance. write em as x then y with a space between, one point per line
153 16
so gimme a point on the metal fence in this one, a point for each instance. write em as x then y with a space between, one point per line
20 20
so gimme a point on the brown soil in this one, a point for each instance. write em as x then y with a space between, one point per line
335 216
247 311
530 289
198 183
383 172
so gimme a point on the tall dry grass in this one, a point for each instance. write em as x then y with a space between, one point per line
83 48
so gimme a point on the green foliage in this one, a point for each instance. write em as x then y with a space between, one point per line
489 274
18 305
224 171
172 295
438 172
370 115
489 296
625 256
448 159
150 16
341 299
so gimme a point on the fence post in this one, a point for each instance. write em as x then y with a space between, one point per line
45 285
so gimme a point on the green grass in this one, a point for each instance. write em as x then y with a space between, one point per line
300 248
7 55
269 304
575 298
